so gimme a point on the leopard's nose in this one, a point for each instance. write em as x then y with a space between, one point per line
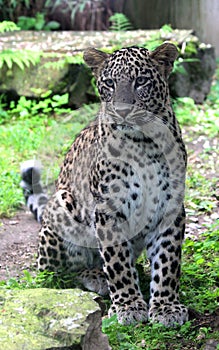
123 109
124 112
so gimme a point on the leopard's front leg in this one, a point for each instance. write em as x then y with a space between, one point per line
165 258
122 277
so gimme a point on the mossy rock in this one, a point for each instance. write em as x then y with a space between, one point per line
40 319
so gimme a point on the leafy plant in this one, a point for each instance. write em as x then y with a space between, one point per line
165 30
26 108
37 23
120 22
8 26
21 58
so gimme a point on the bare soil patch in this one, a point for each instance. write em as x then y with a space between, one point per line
18 247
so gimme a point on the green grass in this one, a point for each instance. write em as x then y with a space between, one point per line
150 336
36 131
200 271
19 141
202 118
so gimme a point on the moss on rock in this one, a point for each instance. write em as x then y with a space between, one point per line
41 319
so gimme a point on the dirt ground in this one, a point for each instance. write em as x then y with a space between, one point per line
18 247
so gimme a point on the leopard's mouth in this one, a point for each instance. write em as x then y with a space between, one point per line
124 127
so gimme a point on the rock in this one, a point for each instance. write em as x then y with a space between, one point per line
75 79
196 81
46 319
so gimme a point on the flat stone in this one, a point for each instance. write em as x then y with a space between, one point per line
46 319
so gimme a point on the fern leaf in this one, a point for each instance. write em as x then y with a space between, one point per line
8 61
120 22
31 57
18 62
20 58
8 26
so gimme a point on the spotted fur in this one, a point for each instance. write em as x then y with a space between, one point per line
121 189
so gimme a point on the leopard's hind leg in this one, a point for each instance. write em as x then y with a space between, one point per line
63 246
94 280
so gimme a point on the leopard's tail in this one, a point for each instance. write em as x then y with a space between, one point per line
34 196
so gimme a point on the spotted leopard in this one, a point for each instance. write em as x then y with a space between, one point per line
121 189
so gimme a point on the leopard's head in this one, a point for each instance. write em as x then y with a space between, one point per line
132 80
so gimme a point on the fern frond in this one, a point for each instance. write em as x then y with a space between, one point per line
8 26
20 58
120 22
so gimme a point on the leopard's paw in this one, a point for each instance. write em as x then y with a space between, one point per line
133 313
169 314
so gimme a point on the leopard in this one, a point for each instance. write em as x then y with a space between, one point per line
120 190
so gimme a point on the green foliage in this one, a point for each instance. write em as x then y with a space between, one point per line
8 26
149 336
37 23
165 30
26 108
30 129
189 48
21 58
204 118
120 22
41 279
200 271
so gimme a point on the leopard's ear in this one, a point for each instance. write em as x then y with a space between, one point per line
95 59
165 55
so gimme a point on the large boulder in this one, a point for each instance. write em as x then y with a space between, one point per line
46 319
56 71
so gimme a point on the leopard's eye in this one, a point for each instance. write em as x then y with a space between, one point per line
140 81
109 82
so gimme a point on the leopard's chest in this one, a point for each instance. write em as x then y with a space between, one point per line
125 178
130 179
